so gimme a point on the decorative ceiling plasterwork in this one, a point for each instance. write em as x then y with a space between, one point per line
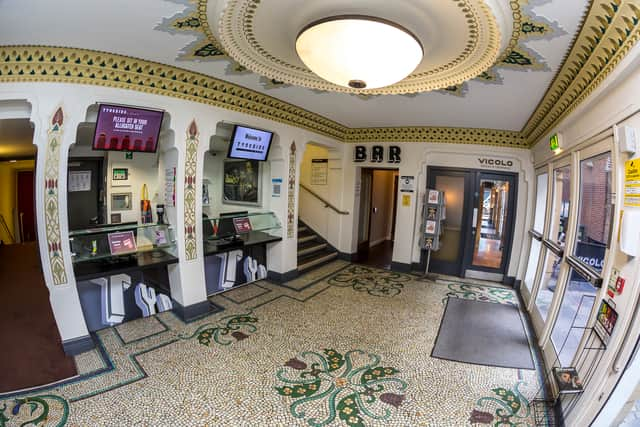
527 25
610 29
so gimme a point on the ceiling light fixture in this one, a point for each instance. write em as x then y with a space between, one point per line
359 52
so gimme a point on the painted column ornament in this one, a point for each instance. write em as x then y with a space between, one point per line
51 203
291 205
191 161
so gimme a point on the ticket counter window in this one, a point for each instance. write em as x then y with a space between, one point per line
592 239
557 233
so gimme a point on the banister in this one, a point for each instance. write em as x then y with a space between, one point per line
326 204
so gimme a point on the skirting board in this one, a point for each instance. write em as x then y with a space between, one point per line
78 345
193 311
400 267
348 257
280 278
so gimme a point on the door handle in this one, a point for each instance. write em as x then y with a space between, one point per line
475 219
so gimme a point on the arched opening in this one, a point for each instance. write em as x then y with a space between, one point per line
40 359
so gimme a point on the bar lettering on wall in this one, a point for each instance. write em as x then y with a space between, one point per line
394 154
360 153
377 153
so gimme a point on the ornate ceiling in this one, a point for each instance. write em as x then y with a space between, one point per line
539 76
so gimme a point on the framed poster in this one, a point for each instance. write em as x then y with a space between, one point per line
241 182
606 321
319 171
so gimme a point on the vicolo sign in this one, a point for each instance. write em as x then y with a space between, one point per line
495 163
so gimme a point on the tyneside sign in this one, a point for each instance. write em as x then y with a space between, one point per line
377 154
495 163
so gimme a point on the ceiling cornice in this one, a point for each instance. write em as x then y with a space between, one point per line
609 30
82 66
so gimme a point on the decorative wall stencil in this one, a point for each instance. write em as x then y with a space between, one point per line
51 201
376 282
291 187
355 387
227 330
190 167
193 20
46 409
508 408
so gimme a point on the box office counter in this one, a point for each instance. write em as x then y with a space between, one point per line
235 248
121 271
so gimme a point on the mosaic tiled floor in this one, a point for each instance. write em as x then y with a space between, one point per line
345 346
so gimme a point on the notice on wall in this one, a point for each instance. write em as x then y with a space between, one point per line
433 197
406 184
170 187
406 200
632 183
79 181
276 187
319 171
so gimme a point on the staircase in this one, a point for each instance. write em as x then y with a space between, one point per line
313 250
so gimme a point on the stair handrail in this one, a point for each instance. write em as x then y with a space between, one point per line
4 225
326 203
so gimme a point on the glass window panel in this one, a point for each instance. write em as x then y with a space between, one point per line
532 266
548 283
561 204
595 210
491 223
453 187
576 306
541 202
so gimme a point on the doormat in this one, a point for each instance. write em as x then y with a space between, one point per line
483 333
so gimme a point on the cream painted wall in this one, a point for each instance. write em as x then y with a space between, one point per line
8 195
311 210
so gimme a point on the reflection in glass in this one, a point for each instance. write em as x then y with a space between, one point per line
491 223
453 187
592 239
595 210
538 225
559 220
548 284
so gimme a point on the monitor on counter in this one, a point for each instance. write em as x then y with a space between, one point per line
122 128
248 143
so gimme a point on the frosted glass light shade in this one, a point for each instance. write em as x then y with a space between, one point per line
359 52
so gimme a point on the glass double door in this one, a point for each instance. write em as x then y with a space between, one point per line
478 227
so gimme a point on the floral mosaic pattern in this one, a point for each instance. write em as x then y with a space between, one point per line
191 246
508 409
481 293
51 203
228 329
353 387
379 283
47 409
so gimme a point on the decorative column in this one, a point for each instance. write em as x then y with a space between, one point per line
291 203
52 214
191 162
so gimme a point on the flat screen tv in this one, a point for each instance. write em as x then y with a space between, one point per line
122 128
249 143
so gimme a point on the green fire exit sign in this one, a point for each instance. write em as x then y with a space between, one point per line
554 142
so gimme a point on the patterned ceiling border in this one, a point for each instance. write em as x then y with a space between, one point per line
610 29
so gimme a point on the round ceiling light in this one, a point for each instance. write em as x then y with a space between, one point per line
359 52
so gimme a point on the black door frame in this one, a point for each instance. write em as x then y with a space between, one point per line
472 179
512 178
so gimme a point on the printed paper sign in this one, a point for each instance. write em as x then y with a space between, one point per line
319 171
632 183
433 196
79 181
406 200
406 184
430 227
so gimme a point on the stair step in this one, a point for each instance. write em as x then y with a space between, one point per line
306 238
310 247
309 261
302 228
